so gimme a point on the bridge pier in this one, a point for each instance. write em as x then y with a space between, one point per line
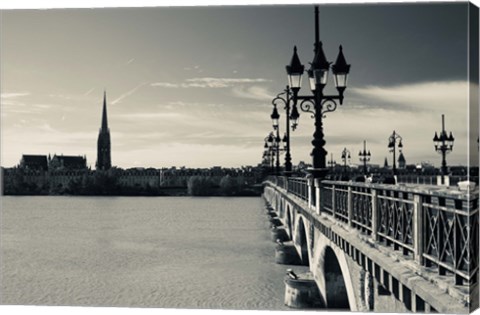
275 221
286 254
271 212
279 233
302 292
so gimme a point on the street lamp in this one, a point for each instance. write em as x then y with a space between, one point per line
272 144
268 153
332 162
392 143
443 145
292 117
318 104
275 116
345 158
364 156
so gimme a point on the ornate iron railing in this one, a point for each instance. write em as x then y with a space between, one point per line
326 197
298 186
451 180
340 211
281 181
439 229
362 208
451 235
395 219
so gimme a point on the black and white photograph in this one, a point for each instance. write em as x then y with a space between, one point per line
271 156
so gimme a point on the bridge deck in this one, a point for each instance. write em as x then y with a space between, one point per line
426 239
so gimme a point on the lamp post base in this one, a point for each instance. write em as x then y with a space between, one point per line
318 172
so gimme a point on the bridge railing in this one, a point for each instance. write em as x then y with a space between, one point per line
298 186
451 235
439 229
450 180
415 179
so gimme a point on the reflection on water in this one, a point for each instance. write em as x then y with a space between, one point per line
166 252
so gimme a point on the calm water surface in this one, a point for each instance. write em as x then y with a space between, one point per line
142 252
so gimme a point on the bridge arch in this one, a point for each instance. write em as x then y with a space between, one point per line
335 288
281 209
268 194
301 241
333 276
289 221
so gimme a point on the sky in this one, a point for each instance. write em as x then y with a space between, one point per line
192 86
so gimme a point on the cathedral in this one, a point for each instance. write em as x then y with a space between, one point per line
104 159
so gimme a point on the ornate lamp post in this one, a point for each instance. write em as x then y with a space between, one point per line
392 143
331 163
276 138
268 154
443 145
345 158
273 145
292 116
318 104
364 156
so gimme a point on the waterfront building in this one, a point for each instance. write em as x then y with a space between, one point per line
67 162
30 174
34 162
139 177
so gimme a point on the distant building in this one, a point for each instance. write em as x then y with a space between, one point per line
30 175
302 166
104 158
65 170
67 162
427 165
34 162
140 177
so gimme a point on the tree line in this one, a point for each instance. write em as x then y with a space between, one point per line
108 184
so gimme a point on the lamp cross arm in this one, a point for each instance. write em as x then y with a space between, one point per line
280 99
311 97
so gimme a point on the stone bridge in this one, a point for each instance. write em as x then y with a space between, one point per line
374 247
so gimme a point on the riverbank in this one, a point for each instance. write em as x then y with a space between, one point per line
252 191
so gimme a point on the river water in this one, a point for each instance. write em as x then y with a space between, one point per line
166 252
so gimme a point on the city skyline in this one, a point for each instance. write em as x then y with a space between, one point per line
183 91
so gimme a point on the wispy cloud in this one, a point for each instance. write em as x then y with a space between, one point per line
224 82
167 85
126 94
209 82
413 97
13 95
259 93
130 61
63 96
89 92
149 116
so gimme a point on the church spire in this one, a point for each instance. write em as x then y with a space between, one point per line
104 114
104 158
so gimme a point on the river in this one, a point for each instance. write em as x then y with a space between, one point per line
163 252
